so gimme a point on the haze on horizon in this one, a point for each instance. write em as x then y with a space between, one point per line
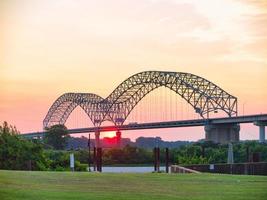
48 48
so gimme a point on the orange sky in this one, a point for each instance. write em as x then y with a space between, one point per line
51 47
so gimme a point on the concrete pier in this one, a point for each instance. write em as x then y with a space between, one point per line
222 133
261 125
118 136
262 134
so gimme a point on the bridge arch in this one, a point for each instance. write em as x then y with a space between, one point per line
203 95
66 103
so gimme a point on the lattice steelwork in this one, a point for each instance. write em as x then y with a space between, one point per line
203 95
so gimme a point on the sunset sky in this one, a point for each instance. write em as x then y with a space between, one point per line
51 47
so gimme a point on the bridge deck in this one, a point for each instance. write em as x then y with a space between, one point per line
167 124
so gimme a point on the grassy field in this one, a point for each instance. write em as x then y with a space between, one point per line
66 185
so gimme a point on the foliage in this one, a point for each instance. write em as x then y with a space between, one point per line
127 155
141 142
57 136
19 154
197 153
151 142
191 154
60 161
207 152
82 156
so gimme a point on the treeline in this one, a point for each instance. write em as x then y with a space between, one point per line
210 153
141 142
20 154
17 153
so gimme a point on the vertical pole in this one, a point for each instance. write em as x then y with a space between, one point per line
155 159
230 157
118 138
236 108
95 159
97 139
167 160
72 162
89 152
99 159
158 159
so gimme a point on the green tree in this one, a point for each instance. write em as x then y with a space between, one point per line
57 136
191 154
18 153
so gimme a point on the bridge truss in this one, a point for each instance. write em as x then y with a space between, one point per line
203 95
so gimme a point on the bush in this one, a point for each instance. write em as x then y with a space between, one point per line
80 167
20 154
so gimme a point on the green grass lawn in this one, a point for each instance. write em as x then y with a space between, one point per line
67 185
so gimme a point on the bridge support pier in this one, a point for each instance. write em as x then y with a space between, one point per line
118 136
97 139
261 125
262 134
222 133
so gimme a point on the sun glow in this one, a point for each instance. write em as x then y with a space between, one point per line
110 134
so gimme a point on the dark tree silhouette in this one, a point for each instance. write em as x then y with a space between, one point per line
57 136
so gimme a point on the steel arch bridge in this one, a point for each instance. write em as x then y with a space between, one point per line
203 95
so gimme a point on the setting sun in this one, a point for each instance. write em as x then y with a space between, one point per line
109 134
